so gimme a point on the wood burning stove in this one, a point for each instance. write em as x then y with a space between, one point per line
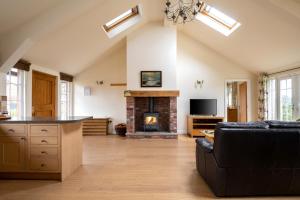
151 118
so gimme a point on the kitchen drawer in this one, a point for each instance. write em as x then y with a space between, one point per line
44 140
43 130
44 152
13 130
44 164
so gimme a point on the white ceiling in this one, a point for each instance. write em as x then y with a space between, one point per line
267 40
17 12
77 45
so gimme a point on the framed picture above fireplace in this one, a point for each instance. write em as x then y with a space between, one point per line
151 79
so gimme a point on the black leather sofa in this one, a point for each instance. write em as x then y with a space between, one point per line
247 159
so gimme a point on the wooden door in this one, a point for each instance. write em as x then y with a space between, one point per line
43 95
12 153
242 94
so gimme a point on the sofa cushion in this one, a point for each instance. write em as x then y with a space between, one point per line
241 125
283 124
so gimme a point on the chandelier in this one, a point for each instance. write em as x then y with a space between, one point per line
182 11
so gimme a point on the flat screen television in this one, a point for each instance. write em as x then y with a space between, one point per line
203 107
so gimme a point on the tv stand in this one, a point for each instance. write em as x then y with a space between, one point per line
198 125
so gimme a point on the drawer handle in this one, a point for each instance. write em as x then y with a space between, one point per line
11 130
44 141
43 165
23 138
44 130
44 152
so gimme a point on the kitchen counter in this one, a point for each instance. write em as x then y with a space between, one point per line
44 120
40 147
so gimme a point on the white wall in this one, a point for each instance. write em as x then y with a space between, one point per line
198 62
105 100
152 47
2 84
29 87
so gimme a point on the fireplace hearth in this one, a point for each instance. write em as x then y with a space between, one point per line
151 114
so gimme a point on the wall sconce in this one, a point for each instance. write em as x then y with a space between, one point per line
99 82
199 83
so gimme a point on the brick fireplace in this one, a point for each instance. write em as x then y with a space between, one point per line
160 104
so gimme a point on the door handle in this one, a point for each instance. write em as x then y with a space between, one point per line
11 130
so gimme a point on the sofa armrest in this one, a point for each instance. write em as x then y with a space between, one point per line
206 145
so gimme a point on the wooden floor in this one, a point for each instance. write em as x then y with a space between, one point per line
124 169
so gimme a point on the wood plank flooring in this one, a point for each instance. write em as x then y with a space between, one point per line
117 168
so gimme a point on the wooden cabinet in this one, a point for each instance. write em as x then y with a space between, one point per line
13 130
232 114
13 147
197 125
44 163
12 153
46 130
40 151
44 150
43 140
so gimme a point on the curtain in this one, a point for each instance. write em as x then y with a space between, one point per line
263 96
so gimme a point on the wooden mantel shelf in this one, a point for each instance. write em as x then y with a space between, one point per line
151 93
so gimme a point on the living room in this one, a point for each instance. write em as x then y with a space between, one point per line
162 74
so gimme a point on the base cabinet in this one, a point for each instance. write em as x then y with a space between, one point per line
12 153
50 151
198 125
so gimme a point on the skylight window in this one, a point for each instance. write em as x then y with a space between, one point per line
217 20
122 22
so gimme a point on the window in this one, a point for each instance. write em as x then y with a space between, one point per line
284 97
217 20
286 103
122 22
65 98
15 92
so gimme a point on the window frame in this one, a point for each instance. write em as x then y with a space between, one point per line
215 21
279 91
69 98
295 77
133 12
21 91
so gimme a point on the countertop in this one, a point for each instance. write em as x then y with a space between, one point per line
45 120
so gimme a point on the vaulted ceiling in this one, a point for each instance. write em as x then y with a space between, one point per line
268 39
15 12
